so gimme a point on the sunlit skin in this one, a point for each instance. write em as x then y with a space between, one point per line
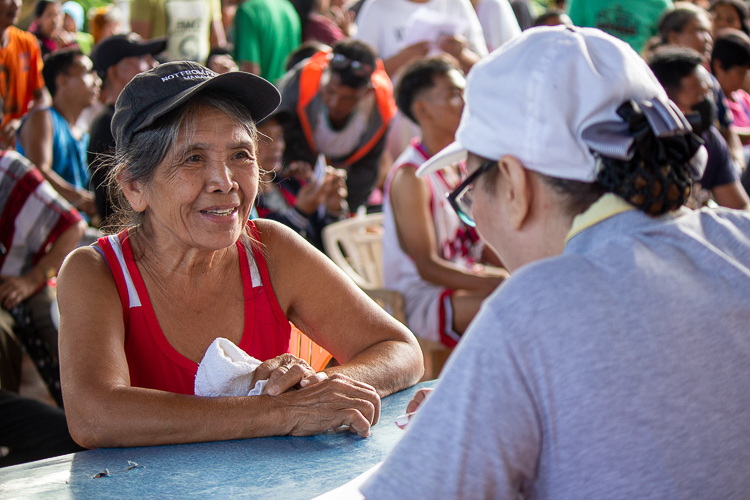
696 35
109 29
725 16
200 201
82 81
519 216
445 102
128 67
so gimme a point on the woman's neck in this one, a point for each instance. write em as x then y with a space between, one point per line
162 255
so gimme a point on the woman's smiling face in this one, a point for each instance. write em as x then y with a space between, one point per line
201 194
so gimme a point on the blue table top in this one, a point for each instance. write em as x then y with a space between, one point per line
279 467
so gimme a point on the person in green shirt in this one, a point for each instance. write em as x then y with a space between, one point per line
634 21
265 32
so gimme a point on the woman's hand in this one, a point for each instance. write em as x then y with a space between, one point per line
334 402
419 397
286 372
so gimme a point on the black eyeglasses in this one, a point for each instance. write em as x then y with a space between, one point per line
340 62
462 198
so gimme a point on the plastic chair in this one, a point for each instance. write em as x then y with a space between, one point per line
355 245
301 346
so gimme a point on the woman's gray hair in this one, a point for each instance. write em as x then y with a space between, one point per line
138 160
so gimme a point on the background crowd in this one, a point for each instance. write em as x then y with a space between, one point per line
374 86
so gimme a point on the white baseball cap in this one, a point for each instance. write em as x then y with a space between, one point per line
550 96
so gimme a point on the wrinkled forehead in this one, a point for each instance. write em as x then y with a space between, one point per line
203 119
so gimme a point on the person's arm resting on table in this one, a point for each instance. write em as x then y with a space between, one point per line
104 410
371 346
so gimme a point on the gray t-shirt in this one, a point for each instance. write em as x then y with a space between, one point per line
618 370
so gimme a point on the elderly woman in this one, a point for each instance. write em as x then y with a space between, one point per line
613 363
139 309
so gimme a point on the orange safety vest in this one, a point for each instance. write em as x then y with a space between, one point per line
309 83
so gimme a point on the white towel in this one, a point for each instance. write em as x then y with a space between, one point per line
227 370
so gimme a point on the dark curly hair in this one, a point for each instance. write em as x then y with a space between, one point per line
658 178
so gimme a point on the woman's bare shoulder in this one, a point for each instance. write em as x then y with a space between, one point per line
84 268
269 229
277 239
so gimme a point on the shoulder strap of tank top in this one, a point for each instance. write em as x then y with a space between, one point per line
113 253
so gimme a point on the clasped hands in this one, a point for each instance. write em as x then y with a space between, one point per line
319 402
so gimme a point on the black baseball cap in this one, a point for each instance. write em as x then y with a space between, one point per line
115 48
158 91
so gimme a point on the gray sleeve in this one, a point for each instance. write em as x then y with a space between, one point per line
477 436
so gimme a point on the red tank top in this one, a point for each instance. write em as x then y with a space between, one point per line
152 361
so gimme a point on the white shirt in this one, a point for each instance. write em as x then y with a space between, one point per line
498 22
382 23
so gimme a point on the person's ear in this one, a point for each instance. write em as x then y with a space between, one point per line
420 110
135 193
717 67
60 80
518 190
112 74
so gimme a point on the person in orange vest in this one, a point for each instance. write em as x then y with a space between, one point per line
341 101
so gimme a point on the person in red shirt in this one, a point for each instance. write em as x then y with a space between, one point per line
139 311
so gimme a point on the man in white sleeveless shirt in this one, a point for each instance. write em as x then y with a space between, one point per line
429 254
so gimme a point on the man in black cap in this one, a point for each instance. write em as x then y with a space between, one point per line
117 59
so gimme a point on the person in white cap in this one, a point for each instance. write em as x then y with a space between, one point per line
613 362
